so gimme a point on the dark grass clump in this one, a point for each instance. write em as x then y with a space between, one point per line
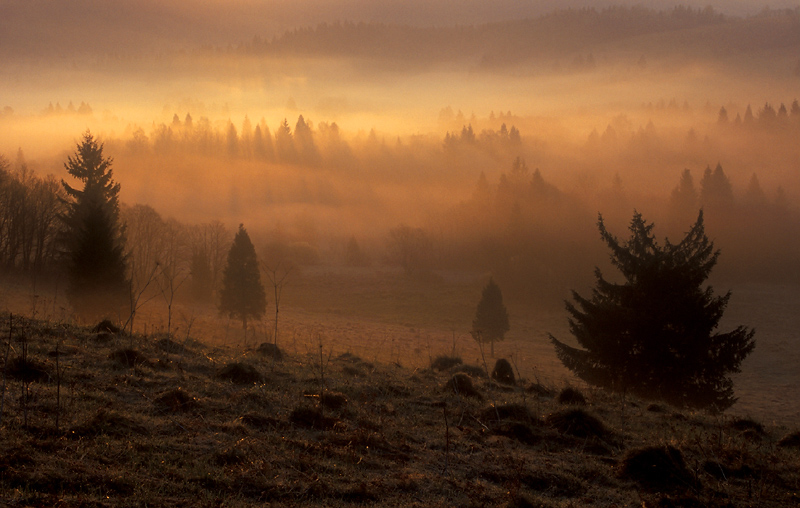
521 500
333 400
109 423
175 401
240 373
311 418
790 440
229 456
723 472
16 456
461 384
270 351
443 362
106 326
513 412
503 373
470 370
329 399
260 422
128 358
517 431
578 423
349 357
27 370
749 426
540 390
553 483
572 396
353 371
170 346
658 468
545 481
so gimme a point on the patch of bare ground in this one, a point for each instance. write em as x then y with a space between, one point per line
155 421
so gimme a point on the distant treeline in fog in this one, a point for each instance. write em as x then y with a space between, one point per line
577 34
484 197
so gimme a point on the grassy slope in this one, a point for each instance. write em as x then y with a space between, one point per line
159 427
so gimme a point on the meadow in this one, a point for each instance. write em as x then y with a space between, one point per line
384 315
92 417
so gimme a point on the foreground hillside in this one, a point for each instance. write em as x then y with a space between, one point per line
95 418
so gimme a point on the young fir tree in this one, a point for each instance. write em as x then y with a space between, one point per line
491 317
242 295
93 236
654 334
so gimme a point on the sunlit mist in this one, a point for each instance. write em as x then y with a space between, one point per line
495 135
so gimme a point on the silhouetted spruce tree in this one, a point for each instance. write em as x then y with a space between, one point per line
491 317
242 294
655 333
94 237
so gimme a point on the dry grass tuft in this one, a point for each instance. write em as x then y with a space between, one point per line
110 423
175 401
106 326
570 395
791 440
578 423
443 362
328 399
748 425
472 371
540 390
658 469
261 422
170 346
515 412
311 418
461 384
128 358
27 370
270 350
240 373
503 372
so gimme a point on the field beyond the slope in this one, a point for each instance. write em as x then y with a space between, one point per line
98 418
384 316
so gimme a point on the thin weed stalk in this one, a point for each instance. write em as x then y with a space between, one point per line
446 439
5 365
58 386
323 364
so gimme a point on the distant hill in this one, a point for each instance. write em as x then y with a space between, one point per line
682 30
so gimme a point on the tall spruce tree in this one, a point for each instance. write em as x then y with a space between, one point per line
94 237
242 295
491 317
655 333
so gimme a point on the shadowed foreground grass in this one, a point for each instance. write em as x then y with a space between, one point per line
98 419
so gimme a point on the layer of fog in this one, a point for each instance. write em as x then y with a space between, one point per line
426 140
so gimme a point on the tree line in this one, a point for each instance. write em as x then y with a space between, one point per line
557 32
305 144
35 235
767 118
29 210
531 234
564 35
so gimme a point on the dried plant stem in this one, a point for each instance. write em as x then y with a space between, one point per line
446 439
5 365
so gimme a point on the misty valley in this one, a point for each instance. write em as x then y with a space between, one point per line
307 207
